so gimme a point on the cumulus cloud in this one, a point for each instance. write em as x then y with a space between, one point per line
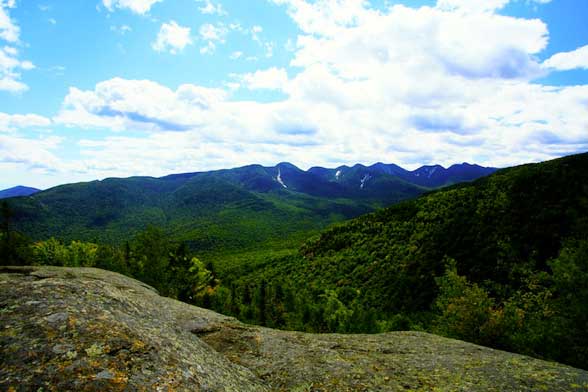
10 64
210 8
11 122
325 17
121 104
212 35
472 5
267 46
210 32
424 40
405 85
566 61
501 125
136 6
172 38
477 6
270 79
9 30
33 154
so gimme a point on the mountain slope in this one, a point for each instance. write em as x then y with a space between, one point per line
515 237
206 210
88 329
224 209
18 191
488 226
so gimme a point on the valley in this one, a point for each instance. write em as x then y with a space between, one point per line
485 261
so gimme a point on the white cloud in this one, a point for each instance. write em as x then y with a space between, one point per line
122 29
9 84
27 65
472 5
390 82
210 8
57 70
405 85
32 154
289 45
136 6
120 104
425 40
210 32
271 79
269 49
267 46
172 38
10 70
10 64
566 61
208 49
12 51
236 55
212 35
325 16
9 31
477 6
495 124
11 122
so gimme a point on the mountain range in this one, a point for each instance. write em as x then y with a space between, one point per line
18 191
228 209
500 261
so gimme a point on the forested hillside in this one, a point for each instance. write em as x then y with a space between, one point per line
221 211
502 261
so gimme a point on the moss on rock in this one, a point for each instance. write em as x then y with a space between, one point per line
87 329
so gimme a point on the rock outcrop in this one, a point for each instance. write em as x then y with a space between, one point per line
85 329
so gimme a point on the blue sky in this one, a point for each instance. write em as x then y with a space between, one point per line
102 88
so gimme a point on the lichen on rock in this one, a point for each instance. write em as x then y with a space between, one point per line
67 329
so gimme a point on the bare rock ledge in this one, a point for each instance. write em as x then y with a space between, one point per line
84 329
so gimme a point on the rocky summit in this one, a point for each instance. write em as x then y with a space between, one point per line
86 329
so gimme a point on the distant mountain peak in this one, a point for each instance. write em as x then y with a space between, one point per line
287 165
18 190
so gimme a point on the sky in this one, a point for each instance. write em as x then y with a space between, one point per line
92 89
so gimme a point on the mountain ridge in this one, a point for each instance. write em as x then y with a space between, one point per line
18 191
504 245
212 208
387 168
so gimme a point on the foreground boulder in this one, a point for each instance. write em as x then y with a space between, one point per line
67 329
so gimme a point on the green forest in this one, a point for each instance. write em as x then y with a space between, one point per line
501 261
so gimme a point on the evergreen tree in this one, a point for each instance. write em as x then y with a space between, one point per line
260 302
